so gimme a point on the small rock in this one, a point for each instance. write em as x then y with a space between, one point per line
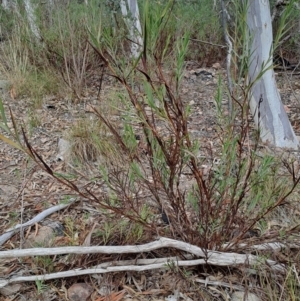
242 296
43 238
57 227
79 292
64 148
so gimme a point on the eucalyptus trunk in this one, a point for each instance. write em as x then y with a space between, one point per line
265 102
32 19
130 12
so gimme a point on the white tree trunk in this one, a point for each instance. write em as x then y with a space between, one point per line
32 19
132 19
265 102
5 4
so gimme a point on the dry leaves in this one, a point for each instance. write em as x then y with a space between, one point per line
114 296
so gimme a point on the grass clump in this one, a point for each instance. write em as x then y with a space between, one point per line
26 79
90 142
83 147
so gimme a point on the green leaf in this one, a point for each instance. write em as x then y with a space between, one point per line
5 127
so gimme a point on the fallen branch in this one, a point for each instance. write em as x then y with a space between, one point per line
273 246
163 263
101 270
213 257
210 257
11 232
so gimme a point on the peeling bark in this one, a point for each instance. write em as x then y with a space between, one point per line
265 102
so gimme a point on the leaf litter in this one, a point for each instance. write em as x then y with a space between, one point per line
25 190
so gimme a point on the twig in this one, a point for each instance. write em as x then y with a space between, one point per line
10 232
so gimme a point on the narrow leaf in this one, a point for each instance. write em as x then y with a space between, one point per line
11 142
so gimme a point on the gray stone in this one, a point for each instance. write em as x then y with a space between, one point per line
242 296
79 292
64 148
44 238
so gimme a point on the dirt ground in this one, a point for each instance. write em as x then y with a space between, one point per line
25 191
